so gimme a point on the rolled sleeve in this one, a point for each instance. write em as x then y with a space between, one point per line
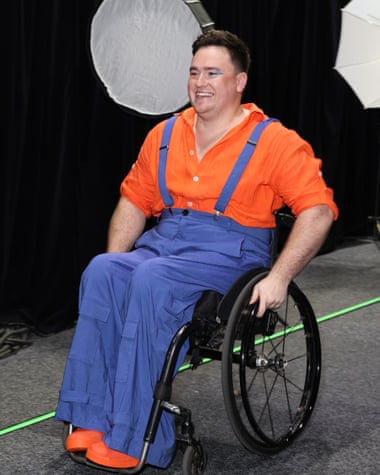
298 177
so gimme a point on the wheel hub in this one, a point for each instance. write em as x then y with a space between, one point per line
279 363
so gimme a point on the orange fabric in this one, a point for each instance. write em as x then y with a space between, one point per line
283 170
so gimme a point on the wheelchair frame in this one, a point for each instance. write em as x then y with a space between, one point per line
271 369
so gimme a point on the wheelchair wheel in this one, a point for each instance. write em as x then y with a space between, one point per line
194 460
270 370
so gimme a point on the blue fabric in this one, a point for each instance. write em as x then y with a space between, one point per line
166 134
131 304
240 165
264 235
234 176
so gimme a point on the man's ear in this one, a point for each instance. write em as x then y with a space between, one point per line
241 81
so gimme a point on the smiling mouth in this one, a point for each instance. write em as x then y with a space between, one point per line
203 94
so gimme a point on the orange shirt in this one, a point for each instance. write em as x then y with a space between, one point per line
282 170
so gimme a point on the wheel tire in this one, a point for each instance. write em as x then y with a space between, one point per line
194 460
270 383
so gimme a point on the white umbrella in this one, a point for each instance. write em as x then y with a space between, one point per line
358 61
141 50
358 58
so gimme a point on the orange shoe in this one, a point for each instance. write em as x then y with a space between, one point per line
81 439
100 454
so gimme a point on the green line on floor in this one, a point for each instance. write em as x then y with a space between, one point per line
185 367
298 327
27 423
348 310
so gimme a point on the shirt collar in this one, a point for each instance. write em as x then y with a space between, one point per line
256 114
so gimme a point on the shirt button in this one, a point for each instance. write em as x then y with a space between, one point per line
196 179
191 152
189 204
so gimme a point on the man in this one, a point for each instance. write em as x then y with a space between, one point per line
213 226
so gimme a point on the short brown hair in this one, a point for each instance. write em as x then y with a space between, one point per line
239 51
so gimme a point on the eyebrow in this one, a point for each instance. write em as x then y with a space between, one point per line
208 68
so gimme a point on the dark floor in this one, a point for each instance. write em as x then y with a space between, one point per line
343 436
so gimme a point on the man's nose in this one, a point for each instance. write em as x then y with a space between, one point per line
201 78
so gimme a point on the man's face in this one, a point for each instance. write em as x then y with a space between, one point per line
214 84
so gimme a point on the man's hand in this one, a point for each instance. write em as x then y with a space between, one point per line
306 237
270 292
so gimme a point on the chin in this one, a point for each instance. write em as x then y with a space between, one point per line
202 107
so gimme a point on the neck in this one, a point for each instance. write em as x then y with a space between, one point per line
218 125
208 131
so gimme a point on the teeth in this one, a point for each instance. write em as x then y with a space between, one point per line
204 94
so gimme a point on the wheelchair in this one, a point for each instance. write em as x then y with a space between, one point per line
270 371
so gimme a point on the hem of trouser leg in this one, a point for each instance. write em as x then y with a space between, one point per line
89 423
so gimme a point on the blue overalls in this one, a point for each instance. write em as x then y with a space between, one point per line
131 304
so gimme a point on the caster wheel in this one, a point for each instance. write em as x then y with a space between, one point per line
194 460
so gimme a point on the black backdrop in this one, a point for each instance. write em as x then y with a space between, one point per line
67 146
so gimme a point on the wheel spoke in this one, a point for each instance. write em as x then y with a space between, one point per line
270 380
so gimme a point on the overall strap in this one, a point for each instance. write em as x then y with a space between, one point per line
240 165
232 180
167 132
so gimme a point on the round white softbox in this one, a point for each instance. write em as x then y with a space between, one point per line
141 50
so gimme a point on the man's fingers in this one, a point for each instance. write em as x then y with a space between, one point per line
261 310
254 296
